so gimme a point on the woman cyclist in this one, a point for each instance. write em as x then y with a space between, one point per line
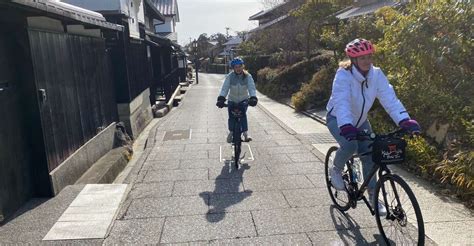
239 85
355 87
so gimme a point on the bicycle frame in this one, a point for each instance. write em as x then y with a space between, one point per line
380 167
359 194
237 133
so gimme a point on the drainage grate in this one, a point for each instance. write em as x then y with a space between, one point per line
177 135
320 138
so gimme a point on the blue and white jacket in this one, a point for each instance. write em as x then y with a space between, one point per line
238 87
353 95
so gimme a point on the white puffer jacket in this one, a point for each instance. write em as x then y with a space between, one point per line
353 96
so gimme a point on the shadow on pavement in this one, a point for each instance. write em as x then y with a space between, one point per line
350 232
26 208
228 183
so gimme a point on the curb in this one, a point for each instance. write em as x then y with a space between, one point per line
107 168
309 114
160 113
278 121
141 150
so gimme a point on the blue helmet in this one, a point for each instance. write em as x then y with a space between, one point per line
237 61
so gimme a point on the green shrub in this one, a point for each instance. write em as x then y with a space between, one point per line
427 53
459 171
425 49
286 58
283 82
317 91
421 155
253 63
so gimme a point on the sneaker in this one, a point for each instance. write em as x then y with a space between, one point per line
247 138
336 179
381 207
229 137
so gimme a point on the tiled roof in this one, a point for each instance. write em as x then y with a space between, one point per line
271 23
167 7
234 41
157 14
264 13
366 9
68 11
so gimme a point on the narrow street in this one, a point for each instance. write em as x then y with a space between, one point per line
111 135
184 193
181 189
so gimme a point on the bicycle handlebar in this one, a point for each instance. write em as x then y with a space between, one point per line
363 135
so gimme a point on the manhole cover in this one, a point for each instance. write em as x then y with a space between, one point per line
177 135
227 151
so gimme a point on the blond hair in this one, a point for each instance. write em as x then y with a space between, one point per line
346 64
245 73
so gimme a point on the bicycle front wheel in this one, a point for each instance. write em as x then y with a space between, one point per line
237 150
403 224
339 198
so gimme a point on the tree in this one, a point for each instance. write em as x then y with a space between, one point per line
203 45
242 35
313 15
220 38
335 38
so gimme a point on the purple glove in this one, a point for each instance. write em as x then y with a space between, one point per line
349 132
410 125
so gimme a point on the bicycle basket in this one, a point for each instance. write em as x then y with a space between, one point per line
389 151
237 113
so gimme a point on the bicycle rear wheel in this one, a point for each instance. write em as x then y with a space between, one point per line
340 198
403 224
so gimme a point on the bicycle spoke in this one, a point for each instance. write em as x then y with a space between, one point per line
402 223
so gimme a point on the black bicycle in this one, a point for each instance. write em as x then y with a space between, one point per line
238 114
403 222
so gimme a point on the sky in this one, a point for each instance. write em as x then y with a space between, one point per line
212 16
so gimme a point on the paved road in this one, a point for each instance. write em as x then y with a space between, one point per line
184 194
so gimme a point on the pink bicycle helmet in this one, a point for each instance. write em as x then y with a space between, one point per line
359 47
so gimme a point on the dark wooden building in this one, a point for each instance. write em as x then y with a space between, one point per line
143 62
56 96
67 75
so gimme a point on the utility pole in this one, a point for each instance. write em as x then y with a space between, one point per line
196 60
226 51
227 32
